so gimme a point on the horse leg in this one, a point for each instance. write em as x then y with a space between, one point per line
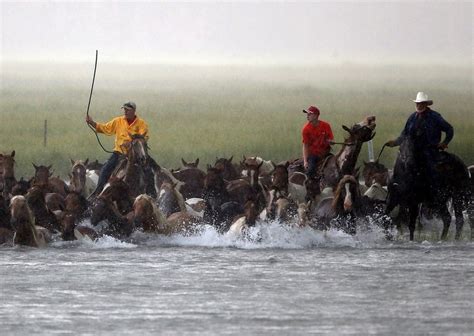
413 214
446 217
459 219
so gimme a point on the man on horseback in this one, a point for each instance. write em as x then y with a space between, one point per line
122 127
317 140
425 126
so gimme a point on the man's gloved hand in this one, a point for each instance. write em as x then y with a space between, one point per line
442 146
390 143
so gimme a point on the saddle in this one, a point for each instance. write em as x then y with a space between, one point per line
321 165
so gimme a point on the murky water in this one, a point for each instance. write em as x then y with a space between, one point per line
288 282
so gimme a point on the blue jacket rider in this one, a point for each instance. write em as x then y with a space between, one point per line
425 126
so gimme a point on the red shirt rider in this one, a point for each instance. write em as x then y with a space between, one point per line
317 139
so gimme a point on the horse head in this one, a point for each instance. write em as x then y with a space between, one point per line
280 176
252 165
137 149
147 215
21 187
78 175
7 165
373 170
42 174
347 196
229 172
361 132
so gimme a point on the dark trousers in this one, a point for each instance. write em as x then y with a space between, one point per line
107 170
312 165
110 165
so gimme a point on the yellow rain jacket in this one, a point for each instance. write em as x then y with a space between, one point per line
120 127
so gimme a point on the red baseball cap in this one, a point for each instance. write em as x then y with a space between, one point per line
312 110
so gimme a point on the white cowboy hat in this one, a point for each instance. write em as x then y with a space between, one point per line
422 97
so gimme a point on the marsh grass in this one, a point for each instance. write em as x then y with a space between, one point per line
209 112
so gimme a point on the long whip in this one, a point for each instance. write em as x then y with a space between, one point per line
89 104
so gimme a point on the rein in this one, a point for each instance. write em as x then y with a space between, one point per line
378 157
89 104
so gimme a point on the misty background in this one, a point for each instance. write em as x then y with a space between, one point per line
239 33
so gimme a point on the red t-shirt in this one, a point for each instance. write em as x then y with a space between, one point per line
317 137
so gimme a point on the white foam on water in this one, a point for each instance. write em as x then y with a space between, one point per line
268 234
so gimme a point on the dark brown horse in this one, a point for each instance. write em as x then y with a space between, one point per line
7 173
409 187
226 167
44 217
220 210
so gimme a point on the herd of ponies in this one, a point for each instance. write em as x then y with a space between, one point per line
232 195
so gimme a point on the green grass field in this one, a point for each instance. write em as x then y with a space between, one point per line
209 112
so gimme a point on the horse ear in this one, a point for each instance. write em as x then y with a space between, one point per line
70 176
12 154
196 162
36 167
372 136
243 156
49 167
287 164
230 160
208 166
261 163
273 165
86 162
72 161
184 162
347 129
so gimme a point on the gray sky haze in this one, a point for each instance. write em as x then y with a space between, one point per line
239 33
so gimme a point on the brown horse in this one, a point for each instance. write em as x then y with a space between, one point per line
226 167
249 187
43 178
7 173
344 162
242 223
78 177
44 217
193 179
75 210
26 232
340 210
131 169
147 216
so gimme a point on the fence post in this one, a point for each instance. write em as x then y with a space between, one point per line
45 133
